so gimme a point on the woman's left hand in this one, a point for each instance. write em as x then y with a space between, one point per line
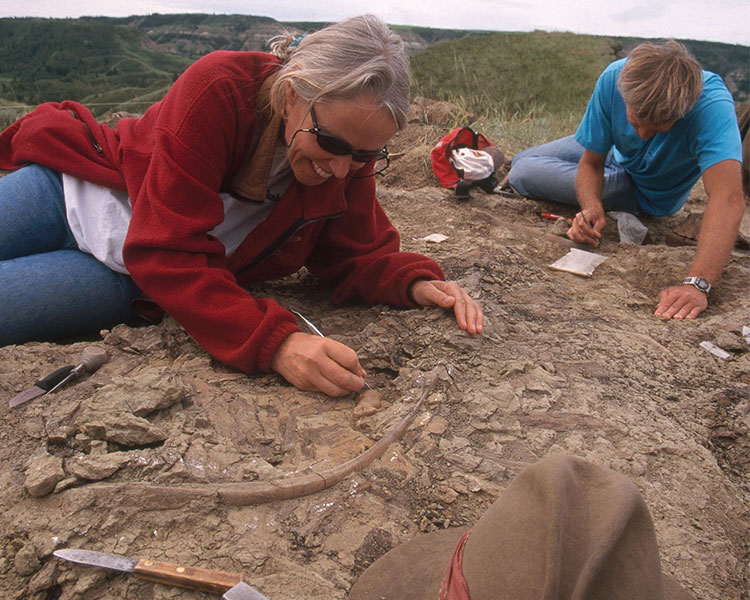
448 294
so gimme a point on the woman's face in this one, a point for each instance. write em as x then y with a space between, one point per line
359 123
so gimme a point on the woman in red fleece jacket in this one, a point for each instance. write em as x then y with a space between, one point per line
252 166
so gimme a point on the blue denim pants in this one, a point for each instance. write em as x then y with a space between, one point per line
49 289
548 172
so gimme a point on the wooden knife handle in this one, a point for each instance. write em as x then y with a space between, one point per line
192 578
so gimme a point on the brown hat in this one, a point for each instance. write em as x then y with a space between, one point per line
564 528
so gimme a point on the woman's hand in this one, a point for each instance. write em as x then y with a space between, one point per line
317 364
448 294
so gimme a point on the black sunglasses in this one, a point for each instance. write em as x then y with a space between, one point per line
334 145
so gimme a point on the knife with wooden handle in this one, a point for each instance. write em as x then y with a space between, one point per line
166 573
193 578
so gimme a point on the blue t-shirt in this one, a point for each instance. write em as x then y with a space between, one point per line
665 167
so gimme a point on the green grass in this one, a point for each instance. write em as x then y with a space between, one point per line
510 73
10 112
524 88
53 60
521 89
517 131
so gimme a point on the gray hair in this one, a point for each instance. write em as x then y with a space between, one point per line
344 61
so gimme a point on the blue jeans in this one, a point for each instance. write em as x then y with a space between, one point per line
548 172
49 289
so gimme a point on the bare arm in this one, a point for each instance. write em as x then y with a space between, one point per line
721 221
590 221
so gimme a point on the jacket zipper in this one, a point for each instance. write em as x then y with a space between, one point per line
263 256
96 145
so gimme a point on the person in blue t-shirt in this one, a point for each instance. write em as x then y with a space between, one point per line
655 123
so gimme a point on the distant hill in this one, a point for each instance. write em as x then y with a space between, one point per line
515 72
193 35
127 63
81 59
549 72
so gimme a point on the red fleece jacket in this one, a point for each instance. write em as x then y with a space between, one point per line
173 162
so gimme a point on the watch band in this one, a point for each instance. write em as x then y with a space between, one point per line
699 283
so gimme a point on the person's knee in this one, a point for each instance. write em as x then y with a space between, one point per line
49 175
521 172
34 176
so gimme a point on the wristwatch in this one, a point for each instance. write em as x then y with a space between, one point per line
699 283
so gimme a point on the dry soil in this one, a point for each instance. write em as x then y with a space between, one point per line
566 364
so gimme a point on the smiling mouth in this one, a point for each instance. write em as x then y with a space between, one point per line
319 170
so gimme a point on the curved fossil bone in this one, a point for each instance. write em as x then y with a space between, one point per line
257 492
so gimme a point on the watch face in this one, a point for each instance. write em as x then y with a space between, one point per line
698 282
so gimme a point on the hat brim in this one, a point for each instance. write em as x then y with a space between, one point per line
563 525
412 571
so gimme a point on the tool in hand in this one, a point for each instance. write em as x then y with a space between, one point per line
192 578
317 332
91 359
553 217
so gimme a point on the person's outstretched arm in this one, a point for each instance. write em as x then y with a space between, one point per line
721 221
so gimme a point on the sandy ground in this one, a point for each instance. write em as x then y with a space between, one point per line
129 460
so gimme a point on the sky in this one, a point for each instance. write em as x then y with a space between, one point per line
724 21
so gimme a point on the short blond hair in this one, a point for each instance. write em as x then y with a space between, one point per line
660 83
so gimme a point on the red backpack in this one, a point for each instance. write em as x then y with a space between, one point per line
452 177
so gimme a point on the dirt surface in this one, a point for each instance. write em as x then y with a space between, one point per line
129 459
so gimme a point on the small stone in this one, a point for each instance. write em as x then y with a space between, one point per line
98 448
26 561
43 580
83 441
447 495
560 227
201 423
88 582
64 484
731 342
33 428
369 403
59 434
97 467
122 428
42 474
437 425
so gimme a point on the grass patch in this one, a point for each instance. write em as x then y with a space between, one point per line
509 73
513 132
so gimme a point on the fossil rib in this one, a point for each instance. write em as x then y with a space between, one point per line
256 492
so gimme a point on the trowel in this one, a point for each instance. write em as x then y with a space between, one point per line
192 578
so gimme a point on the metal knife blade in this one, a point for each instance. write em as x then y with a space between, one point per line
243 591
97 559
42 386
312 327
192 578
